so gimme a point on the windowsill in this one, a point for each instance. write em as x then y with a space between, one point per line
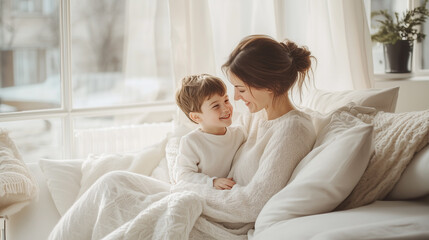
412 90
400 77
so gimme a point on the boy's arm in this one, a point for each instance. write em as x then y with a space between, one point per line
187 164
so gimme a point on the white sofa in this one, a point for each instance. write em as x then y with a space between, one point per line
387 219
37 219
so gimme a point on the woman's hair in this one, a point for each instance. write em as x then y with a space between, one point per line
264 63
195 89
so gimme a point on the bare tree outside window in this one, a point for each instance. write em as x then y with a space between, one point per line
98 36
120 56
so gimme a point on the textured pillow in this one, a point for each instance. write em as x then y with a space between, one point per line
142 162
326 176
181 127
17 186
414 182
161 171
325 102
171 151
63 180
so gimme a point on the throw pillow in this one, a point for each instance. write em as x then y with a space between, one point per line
63 180
18 187
182 126
161 171
142 162
325 101
326 176
414 182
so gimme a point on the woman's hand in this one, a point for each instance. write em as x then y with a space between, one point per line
223 183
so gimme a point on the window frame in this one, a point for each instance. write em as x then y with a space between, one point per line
66 113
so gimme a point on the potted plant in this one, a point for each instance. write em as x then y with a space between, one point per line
398 35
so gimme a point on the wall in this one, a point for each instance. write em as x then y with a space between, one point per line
413 93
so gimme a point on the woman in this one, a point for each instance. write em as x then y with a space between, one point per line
262 72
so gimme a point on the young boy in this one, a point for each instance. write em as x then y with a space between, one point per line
205 154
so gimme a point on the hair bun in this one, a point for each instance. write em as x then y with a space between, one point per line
262 62
300 56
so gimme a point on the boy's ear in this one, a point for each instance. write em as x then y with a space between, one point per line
195 117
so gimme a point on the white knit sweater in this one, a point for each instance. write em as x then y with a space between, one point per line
203 157
261 168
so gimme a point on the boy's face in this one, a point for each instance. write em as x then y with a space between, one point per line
216 114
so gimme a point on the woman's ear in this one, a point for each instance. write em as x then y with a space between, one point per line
195 117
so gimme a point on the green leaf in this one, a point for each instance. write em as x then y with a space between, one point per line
404 27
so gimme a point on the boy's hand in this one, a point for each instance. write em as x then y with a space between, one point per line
223 183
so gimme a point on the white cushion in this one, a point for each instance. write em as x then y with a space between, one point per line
36 220
68 179
327 175
414 182
375 217
63 180
182 126
325 101
161 171
18 187
142 162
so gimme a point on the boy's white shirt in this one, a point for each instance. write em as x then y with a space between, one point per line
203 157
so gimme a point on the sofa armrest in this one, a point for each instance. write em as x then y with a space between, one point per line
36 220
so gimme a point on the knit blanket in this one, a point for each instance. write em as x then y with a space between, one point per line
397 137
171 217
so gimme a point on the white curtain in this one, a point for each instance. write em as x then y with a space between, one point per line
146 40
204 32
338 35
191 38
139 39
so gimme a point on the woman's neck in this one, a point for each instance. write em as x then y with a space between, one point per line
279 107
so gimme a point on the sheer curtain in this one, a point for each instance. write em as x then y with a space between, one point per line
146 73
191 38
339 37
139 41
204 32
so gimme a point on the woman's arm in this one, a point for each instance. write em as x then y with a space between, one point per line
282 153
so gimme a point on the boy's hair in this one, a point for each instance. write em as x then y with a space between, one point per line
195 89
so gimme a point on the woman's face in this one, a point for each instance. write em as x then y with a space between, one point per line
255 99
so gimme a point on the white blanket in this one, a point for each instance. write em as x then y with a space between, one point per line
113 210
171 217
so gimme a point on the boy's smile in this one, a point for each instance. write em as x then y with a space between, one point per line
226 117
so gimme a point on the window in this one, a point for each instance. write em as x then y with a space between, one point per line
29 55
420 51
72 65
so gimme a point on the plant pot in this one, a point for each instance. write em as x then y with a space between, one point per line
398 57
